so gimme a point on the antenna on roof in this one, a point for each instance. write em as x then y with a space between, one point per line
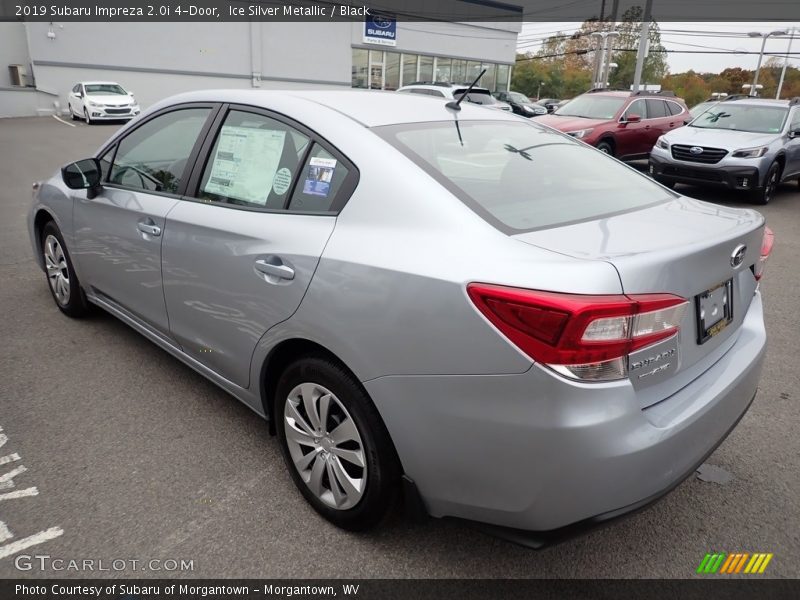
455 105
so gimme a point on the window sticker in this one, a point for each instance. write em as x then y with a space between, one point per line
245 164
282 181
320 174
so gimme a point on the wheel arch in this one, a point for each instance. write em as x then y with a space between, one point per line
278 359
609 139
40 219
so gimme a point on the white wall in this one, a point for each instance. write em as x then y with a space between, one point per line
13 50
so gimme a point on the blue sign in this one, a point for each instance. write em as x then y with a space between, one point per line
380 28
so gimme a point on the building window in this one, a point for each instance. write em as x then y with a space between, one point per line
360 58
376 69
392 75
459 71
443 69
502 78
409 69
488 79
473 70
426 68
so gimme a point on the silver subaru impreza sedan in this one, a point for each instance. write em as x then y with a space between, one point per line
454 306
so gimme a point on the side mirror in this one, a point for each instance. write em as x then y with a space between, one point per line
83 175
794 133
130 92
633 118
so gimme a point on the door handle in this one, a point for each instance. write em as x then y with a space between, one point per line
149 227
276 268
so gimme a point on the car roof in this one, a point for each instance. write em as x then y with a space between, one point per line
440 86
98 82
371 108
757 102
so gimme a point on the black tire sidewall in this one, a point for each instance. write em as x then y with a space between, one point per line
760 196
77 305
382 466
605 144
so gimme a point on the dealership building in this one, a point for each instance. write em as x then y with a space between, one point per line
42 61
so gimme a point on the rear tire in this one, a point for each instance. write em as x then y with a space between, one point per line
606 148
73 115
61 278
771 181
327 425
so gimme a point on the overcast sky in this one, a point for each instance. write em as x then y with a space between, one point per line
720 36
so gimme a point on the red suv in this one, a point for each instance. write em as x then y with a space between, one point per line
623 124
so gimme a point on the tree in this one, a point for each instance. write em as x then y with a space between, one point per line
655 66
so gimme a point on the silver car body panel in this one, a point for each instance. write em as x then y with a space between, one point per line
382 286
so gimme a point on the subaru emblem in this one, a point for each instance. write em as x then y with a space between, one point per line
737 257
696 150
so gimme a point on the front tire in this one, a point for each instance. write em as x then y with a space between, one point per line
61 278
335 444
86 117
771 182
606 148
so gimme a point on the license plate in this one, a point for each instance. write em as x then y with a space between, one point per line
714 310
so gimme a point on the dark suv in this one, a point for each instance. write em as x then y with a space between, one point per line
623 124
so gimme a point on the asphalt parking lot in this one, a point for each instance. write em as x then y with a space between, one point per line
137 457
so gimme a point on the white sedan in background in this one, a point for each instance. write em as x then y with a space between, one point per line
101 101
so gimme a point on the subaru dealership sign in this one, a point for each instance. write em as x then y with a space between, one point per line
380 28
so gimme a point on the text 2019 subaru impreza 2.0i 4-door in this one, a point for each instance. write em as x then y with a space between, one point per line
422 296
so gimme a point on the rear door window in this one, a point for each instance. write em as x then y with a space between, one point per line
254 162
656 108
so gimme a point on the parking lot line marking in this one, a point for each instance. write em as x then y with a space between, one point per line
9 458
56 117
31 491
5 532
7 479
31 540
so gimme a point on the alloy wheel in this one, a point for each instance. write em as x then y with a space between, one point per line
57 270
325 445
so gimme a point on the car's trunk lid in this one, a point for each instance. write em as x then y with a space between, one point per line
683 247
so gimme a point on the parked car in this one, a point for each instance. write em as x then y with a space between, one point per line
520 104
101 101
452 91
623 124
546 352
748 144
549 103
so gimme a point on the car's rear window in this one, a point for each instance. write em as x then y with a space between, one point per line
475 96
522 176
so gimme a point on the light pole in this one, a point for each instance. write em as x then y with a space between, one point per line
602 57
785 63
539 91
755 34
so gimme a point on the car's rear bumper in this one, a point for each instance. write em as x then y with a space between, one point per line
732 177
534 453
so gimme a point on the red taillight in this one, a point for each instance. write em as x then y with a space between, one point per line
579 331
766 248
